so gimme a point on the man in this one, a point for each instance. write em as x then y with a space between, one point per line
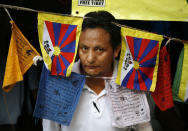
99 45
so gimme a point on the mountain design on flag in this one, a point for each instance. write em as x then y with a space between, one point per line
59 41
144 53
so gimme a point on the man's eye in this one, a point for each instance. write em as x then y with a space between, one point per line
100 49
84 48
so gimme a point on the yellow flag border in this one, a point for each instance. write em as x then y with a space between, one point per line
184 76
122 55
59 19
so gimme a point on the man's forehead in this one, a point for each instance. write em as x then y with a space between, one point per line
90 45
95 36
96 29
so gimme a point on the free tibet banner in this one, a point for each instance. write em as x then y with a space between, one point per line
165 10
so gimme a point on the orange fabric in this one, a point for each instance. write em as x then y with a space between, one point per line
19 60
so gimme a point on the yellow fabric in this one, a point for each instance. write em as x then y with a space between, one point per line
42 17
139 34
184 78
122 55
167 10
19 60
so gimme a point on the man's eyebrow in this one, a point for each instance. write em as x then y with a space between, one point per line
81 44
99 47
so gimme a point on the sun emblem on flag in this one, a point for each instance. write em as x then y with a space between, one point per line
144 53
60 44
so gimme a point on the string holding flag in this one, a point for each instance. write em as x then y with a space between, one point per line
20 58
58 37
139 59
48 60
38 11
8 13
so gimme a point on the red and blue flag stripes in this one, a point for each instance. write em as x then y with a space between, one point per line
63 38
144 53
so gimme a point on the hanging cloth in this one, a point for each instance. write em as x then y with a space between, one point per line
163 92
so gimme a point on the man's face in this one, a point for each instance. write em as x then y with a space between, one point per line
96 53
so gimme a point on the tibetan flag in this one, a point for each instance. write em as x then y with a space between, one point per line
183 90
19 60
139 58
163 93
177 78
58 37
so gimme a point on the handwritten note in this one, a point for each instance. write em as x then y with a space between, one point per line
58 97
129 107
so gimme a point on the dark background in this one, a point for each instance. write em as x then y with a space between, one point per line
172 119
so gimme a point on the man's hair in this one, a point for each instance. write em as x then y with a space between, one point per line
103 19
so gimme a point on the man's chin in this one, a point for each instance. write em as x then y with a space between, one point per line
93 74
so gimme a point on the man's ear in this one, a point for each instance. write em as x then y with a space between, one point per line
117 50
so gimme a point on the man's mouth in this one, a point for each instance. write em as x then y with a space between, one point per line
91 67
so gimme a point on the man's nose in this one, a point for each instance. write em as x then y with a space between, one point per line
91 56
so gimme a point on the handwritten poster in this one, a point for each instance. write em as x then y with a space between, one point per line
58 96
129 107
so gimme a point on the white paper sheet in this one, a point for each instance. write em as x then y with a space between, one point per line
129 107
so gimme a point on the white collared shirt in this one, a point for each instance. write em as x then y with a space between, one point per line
89 117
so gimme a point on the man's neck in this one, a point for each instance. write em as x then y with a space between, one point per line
96 84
